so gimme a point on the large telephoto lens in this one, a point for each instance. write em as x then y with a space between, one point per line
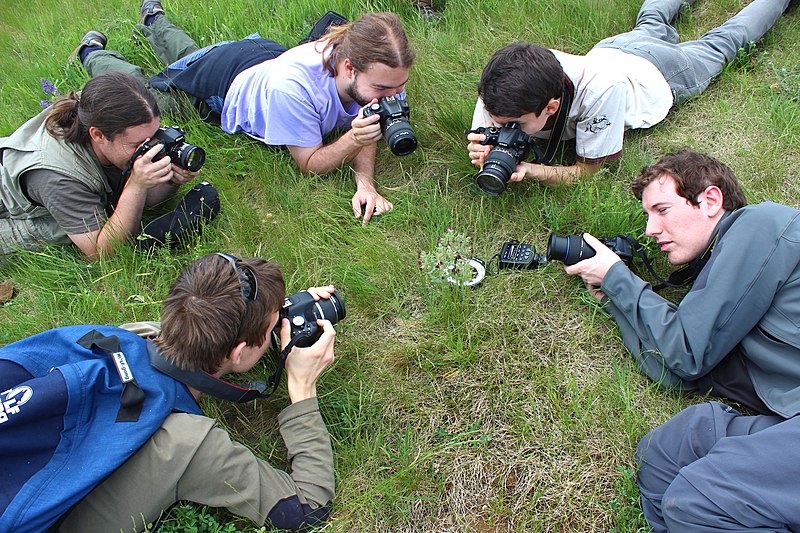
400 137
568 249
496 171
190 157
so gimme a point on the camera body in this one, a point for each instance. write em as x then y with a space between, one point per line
396 128
511 146
175 147
303 312
571 249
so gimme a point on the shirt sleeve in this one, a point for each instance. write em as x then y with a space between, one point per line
190 458
224 473
75 207
733 292
601 127
480 118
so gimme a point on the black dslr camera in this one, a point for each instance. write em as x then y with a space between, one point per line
174 145
394 122
303 313
511 146
571 249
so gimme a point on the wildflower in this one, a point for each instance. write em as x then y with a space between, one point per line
48 87
45 103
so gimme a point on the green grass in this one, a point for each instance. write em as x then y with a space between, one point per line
512 406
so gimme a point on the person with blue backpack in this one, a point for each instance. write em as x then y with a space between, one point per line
101 427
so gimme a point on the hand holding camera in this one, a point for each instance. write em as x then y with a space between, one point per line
395 126
307 319
165 157
593 259
510 147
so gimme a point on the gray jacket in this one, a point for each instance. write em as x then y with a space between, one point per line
746 296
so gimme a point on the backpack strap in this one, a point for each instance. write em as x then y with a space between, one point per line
132 398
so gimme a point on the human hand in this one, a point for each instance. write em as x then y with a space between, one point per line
305 365
181 175
367 130
478 151
323 292
594 269
146 173
372 202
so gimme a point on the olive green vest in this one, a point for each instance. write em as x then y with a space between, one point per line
22 224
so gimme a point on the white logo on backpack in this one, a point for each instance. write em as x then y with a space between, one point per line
12 399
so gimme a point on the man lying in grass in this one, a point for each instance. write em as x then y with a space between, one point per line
66 174
626 81
217 319
291 98
734 335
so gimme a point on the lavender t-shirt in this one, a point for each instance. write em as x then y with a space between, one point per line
289 100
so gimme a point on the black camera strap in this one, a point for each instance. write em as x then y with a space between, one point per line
558 127
126 172
681 277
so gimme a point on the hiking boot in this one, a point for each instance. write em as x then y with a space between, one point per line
426 9
149 7
91 38
200 206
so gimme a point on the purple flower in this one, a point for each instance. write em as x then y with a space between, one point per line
45 103
48 87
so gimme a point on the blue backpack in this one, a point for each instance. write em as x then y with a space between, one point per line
75 404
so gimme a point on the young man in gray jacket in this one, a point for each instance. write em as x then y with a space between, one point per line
734 335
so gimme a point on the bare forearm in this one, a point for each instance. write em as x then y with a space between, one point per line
331 156
123 223
160 193
364 166
557 175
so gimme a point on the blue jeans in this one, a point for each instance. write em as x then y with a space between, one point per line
690 66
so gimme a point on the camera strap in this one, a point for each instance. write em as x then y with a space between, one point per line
681 277
208 384
558 127
126 172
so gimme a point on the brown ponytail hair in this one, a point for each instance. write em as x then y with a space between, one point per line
111 103
374 38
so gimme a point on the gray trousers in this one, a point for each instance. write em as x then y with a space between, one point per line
690 66
710 468
169 42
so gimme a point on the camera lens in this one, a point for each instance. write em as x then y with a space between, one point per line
331 309
191 157
400 137
303 313
496 171
569 249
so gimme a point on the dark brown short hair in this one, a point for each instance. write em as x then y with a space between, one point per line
205 314
520 78
693 173
374 38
